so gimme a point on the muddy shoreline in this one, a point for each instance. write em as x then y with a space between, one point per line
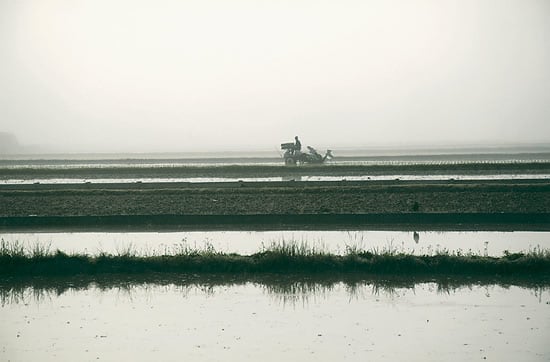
403 222
247 171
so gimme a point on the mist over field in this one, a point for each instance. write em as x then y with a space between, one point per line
212 75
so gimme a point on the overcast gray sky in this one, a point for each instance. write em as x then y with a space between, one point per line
131 75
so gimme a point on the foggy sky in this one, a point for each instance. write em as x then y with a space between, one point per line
141 76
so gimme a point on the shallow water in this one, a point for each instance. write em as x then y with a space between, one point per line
400 177
273 321
247 242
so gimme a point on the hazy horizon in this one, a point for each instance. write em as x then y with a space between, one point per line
273 151
195 76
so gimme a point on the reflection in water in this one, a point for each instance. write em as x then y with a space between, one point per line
284 288
272 317
291 178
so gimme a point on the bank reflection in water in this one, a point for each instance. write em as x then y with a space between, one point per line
272 318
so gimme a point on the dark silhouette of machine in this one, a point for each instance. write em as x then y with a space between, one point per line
294 155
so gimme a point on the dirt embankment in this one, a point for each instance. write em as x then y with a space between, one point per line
276 198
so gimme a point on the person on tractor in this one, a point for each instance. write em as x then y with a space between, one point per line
297 145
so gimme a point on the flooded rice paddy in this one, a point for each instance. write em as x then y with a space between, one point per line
272 320
384 156
489 243
112 168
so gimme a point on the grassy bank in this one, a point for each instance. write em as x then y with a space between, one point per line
284 258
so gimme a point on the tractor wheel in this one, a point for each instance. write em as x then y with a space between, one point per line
290 161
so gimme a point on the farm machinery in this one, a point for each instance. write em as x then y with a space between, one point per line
293 155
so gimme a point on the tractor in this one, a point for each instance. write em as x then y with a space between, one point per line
293 156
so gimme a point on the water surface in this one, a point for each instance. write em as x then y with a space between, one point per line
490 243
273 321
458 177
